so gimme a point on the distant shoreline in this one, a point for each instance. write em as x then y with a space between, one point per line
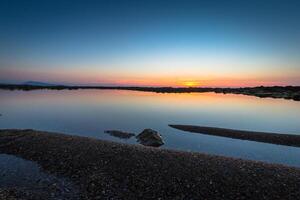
284 92
109 170
271 138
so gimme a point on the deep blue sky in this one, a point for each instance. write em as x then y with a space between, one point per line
151 42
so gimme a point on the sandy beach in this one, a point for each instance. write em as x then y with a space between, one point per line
272 138
108 170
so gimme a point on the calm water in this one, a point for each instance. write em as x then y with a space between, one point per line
26 176
90 112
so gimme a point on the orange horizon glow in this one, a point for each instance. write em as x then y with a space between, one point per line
89 77
151 44
226 82
191 84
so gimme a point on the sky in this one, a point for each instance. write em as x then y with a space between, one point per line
151 43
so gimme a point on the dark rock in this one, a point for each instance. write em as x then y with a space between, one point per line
150 137
296 97
119 134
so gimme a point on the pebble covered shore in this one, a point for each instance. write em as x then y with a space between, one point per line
108 170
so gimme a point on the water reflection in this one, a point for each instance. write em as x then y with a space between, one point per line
91 112
25 176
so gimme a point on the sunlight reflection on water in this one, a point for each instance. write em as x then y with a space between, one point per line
90 112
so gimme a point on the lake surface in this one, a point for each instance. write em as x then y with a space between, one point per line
90 112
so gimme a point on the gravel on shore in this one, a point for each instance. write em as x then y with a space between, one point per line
108 170
273 138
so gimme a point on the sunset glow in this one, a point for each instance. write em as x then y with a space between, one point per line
191 84
195 44
149 99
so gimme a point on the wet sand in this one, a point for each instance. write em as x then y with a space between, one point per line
108 170
273 138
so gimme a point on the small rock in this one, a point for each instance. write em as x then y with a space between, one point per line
119 134
150 137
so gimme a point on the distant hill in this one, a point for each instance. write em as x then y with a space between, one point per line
36 83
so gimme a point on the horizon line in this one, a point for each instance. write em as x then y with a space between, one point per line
133 86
